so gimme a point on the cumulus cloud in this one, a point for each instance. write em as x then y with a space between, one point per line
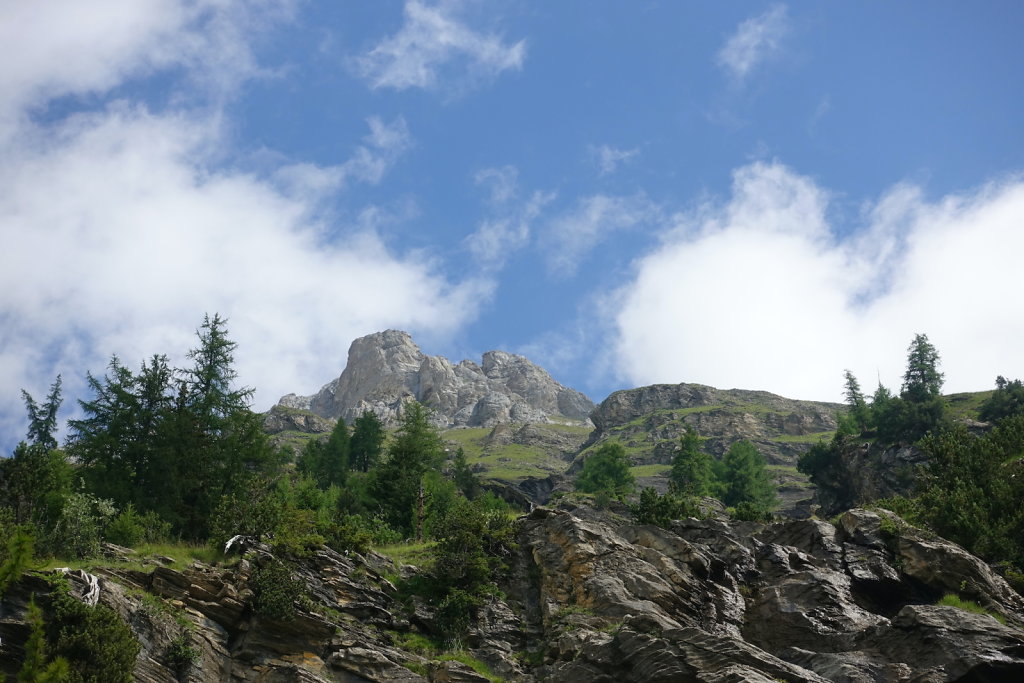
608 158
571 236
123 224
754 41
433 41
762 292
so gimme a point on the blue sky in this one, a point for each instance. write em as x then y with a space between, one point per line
751 195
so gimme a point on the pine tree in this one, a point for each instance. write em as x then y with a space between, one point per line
397 482
327 460
691 467
855 399
746 482
42 420
34 669
922 380
465 480
606 471
367 442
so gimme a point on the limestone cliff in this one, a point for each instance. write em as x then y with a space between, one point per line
387 369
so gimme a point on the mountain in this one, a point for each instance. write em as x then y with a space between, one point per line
387 369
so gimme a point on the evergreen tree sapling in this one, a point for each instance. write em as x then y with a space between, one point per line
467 482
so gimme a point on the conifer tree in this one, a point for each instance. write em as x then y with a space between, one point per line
745 480
606 470
397 482
465 480
691 472
367 442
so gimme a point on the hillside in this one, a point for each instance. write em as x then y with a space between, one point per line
587 596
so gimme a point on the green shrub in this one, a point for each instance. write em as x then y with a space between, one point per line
256 509
275 590
131 529
454 615
606 470
81 525
98 645
181 653
662 510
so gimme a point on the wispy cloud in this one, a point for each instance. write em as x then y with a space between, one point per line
369 162
508 229
568 238
761 291
755 40
431 41
608 158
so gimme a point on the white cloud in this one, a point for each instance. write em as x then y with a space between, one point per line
755 40
431 40
608 158
123 225
67 47
571 236
509 229
762 293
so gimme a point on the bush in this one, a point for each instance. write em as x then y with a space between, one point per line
275 590
454 615
181 653
255 510
98 645
130 528
662 510
81 525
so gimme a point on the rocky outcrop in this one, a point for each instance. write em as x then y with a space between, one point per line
590 596
794 601
387 369
649 421
653 418
282 418
863 472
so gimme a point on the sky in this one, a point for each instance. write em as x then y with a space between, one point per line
750 195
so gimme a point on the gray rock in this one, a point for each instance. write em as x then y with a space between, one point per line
387 369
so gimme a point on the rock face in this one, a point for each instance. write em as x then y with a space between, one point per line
794 601
386 369
863 472
590 597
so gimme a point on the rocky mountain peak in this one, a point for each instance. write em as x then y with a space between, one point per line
386 370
